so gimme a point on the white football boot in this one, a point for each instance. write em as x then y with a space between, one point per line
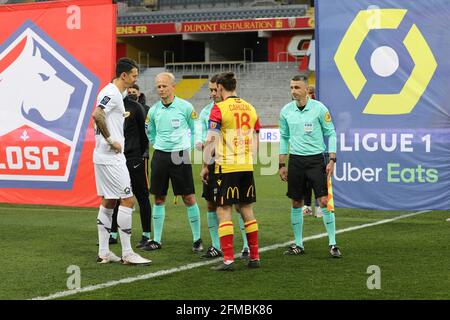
110 257
135 259
307 211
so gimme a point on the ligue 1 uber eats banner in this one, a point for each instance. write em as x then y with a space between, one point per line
54 56
384 72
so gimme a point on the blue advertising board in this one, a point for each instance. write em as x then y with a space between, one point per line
383 70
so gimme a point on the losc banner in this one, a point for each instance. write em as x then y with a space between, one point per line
383 71
53 58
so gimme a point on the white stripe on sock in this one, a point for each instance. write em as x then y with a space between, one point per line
105 217
124 219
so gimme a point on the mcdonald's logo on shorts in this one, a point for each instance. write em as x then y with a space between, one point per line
251 192
232 190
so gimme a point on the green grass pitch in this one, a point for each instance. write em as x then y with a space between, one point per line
39 243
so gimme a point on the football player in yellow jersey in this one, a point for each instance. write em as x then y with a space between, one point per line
233 134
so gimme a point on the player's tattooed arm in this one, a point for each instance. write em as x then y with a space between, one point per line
100 122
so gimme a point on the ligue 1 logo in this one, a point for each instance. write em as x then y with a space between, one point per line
384 61
45 108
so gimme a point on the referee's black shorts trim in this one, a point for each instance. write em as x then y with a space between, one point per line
306 168
173 166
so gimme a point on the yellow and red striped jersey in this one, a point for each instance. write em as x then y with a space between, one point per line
237 120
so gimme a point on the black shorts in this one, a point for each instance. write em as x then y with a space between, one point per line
208 189
234 188
175 166
306 168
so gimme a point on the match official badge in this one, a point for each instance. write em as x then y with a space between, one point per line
47 97
308 128
193 115
327 117
175 123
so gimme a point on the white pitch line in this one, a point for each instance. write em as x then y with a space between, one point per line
205 263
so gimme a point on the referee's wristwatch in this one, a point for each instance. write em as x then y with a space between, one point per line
333 159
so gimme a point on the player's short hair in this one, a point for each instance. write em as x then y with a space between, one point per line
125 65
214 78
227 80
135 86
300 78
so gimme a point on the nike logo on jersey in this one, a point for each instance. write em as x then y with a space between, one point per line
136 166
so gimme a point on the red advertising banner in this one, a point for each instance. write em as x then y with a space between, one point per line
290 46
271 24
54 57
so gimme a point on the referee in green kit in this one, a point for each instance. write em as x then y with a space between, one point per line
303 124
169 121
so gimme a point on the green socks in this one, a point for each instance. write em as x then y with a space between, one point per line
159 213
194 220
330 225
213 226
297 225
146 234
244 234
114 235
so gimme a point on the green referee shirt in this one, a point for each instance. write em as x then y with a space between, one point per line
304 131
168 127
203 123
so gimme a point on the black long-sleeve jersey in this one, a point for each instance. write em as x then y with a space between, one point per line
136 140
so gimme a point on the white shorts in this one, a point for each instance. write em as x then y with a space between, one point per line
113 181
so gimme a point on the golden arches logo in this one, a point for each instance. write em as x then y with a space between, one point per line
233 190
251 191
424 62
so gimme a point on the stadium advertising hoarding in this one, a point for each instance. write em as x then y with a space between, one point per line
383 72
53 58
270 135
274 24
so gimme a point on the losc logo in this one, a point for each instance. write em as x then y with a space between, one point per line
44 111
416 45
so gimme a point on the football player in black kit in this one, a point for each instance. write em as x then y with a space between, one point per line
136 153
